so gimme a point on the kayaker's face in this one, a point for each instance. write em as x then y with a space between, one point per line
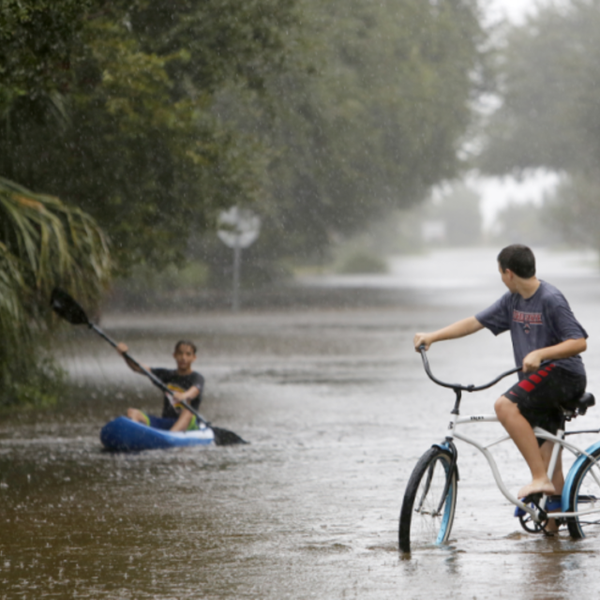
184 357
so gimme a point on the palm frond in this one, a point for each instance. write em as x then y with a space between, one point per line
43 243
52 243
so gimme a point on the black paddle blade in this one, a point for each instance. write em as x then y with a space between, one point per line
224 437
64 306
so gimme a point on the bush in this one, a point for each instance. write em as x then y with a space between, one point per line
362 261
35 383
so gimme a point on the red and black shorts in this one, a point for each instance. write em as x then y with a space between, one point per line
540 396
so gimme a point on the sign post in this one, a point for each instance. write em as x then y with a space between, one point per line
238 228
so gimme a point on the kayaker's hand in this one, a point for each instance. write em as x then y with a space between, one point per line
122 348
178 396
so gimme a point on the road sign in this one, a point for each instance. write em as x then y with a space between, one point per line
238 228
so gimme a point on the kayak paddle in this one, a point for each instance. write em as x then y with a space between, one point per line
67 308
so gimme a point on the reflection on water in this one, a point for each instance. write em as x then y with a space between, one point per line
337 410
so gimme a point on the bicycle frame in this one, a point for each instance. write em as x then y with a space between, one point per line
537 513
559 442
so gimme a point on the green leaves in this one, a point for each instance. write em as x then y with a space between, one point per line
36 41
121 123
154 115
43 243
550 113
383 119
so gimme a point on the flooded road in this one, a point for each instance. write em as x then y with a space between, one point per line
337 409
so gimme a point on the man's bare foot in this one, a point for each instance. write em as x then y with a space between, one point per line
537 486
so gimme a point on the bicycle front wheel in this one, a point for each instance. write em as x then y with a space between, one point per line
584 495
429 501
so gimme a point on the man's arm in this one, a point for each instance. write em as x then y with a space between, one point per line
188 395
456 330
185 418
122 349
563 350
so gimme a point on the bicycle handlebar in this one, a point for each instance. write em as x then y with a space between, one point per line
458 386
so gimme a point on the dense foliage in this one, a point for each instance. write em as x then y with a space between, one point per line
148 117
550 115
43 243
381 121
107 105
152 115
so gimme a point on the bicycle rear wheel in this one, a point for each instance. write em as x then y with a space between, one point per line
584 494
428 507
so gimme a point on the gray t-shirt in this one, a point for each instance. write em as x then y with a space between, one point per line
545 319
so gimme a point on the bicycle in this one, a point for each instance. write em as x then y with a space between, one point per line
429 503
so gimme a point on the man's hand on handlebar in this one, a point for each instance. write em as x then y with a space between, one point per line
456 330
422 339
532 361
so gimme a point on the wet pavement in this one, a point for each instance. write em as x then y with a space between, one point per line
337 409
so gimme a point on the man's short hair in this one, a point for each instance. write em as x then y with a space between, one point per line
519 259
185 343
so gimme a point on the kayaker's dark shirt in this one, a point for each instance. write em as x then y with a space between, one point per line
179 383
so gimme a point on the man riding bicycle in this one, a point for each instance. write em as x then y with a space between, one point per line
543 330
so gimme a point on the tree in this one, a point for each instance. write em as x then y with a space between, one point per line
573 210
42 243
525 222
550 115
125 97
549 73
160 113
382 121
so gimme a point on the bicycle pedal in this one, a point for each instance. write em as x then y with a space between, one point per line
553 503
533 498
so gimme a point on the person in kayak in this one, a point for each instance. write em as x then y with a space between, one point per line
543 330
185 383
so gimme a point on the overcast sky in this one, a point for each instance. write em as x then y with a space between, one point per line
515 10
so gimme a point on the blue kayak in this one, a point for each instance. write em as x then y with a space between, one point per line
125 435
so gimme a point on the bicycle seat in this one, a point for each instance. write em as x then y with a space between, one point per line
581 405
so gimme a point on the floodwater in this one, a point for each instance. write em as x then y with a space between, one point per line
337 409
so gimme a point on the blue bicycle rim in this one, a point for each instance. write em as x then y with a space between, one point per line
570 479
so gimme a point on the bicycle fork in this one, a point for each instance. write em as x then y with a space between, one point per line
449 447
